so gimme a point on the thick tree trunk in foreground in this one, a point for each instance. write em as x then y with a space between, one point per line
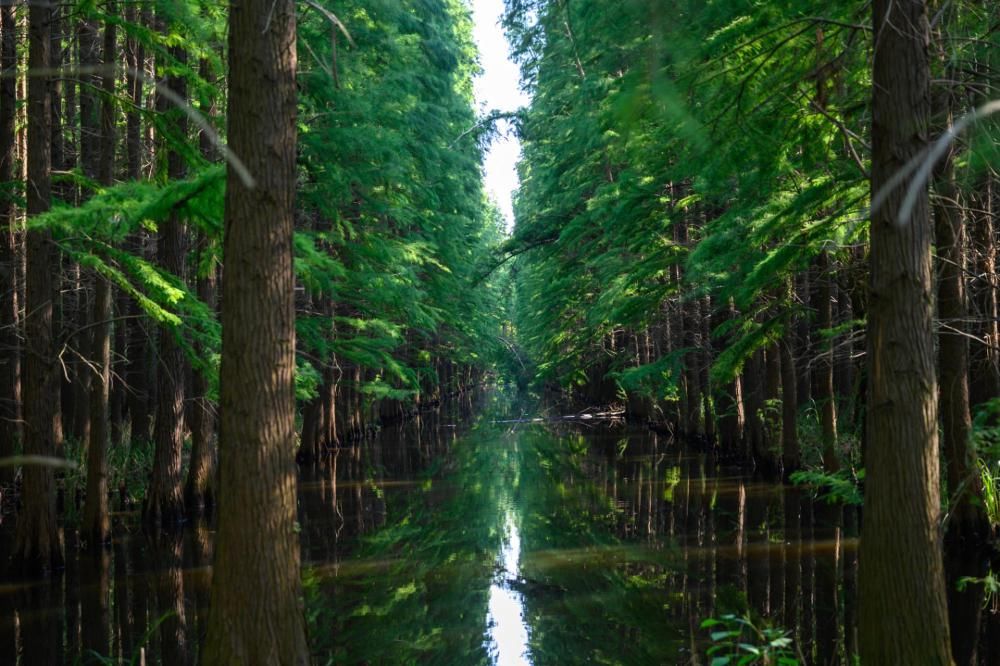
903 609
262 622
38 545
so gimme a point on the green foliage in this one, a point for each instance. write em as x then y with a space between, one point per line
843 487
986 439
138 655
393 225
398 225
990 583
667 159
736 641
989 472
659 380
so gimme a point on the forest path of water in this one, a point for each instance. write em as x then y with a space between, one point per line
473 535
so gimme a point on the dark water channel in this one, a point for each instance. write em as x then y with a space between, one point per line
459 538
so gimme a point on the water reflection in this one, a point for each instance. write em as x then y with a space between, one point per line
506 628
486 543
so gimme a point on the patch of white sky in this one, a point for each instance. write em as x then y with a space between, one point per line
498 88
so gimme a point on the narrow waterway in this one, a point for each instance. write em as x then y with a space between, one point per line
465 538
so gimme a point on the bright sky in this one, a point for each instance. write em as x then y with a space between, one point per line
497 88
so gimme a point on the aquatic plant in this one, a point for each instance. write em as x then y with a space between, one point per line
737 640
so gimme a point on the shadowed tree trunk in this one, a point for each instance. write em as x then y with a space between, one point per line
903 608
199 487
9 346
37 547
727 400
985 374
96 520
137 372
823 391
263 622
164 501
80 409
791 457
967 533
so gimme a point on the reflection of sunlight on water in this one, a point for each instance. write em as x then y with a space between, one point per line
506 628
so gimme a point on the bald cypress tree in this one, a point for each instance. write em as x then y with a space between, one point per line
903 609
9 360
263 622
38 546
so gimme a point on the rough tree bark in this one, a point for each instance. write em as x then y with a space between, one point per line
38 547
263 622
10 363
138 368
165 501
96 520
903 609
199 486
966 540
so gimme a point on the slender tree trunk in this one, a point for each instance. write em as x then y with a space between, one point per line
791 457
903 607
165 501
823 376
985 375
10 363
803 381
967 535
83 380
728 405
96 519
138 369
264 622
772 411
38 546
199 487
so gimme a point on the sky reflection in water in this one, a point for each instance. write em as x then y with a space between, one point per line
507 631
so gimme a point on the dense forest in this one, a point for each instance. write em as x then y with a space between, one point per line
238 239
732 222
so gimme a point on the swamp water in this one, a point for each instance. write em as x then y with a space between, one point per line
464 538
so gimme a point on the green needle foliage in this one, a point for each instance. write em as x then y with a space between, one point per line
646 116
394 224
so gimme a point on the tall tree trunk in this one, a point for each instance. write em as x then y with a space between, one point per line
823 391
791 457
803 379
903 608
138 368
985 373
37 547
199 487
10 363
96 520
967 534
728 404
264 622
165 502
83 379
